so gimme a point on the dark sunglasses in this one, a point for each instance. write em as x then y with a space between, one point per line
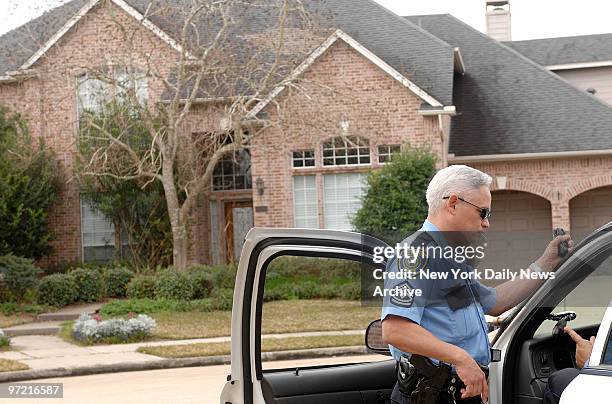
485 213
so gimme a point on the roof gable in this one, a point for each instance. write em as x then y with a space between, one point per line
317 53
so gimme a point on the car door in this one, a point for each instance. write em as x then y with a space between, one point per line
248 382
528 358
594 382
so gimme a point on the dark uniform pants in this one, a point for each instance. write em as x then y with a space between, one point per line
557 382
397 397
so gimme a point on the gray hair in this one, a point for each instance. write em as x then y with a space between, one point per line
460 179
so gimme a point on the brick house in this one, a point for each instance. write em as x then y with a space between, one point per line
420 80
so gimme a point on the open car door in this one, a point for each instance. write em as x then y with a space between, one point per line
249 382
531 340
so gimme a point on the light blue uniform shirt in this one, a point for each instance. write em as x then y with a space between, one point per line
465 327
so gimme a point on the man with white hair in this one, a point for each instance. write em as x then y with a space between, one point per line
454 331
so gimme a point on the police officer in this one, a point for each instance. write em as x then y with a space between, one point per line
446 321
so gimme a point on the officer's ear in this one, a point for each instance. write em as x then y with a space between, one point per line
451 203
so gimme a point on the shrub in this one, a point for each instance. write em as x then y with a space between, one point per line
57 290
89 330
141 287
202 282
12 308
222 299
90 287
224 276
173 285
19 275
394 202
350 291
29 184
116 281
5 341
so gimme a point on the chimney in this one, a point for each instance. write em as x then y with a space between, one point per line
498 20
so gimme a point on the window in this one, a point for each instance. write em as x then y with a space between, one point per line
303 158
342 199
233 172
305 209
326 294
98 234
386 151
93 92
349 150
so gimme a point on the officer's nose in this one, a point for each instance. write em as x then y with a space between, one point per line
485 223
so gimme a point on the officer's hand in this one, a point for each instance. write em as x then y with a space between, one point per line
550 258
474 379
583 347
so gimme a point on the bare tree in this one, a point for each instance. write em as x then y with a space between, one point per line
222 58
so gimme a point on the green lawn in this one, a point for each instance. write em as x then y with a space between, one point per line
267 345
287 316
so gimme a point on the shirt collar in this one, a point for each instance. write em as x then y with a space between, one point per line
434 232
429 226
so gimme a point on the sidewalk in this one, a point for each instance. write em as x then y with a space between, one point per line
50 356
50 323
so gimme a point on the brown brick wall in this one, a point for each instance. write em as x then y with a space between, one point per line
556 180
341 85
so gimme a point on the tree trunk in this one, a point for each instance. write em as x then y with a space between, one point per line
179 226
180 242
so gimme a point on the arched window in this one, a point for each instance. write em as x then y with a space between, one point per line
233 172
346 150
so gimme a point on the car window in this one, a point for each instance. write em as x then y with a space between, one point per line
589 299
607 358
314 303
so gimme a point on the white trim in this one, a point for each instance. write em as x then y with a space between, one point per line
59 34
148 24
448 110
527 156
582 65
83 11
458 61
339 34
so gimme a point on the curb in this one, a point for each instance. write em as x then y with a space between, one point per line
174 363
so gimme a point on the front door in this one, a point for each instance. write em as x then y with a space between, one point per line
238 222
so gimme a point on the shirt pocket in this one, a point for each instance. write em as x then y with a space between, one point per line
467 325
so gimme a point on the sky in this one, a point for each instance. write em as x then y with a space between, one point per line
531 19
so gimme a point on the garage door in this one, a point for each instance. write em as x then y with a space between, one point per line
521 227
589 211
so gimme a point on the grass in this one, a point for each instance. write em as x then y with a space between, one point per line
8 365
287 316
267 345
15 319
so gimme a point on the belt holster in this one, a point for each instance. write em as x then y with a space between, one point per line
406 375
431 380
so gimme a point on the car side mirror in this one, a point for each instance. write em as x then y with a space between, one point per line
374 340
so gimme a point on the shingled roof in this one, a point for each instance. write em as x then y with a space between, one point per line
564 50
508 104
18 45
413 52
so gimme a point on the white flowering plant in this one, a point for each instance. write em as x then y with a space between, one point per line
91 329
